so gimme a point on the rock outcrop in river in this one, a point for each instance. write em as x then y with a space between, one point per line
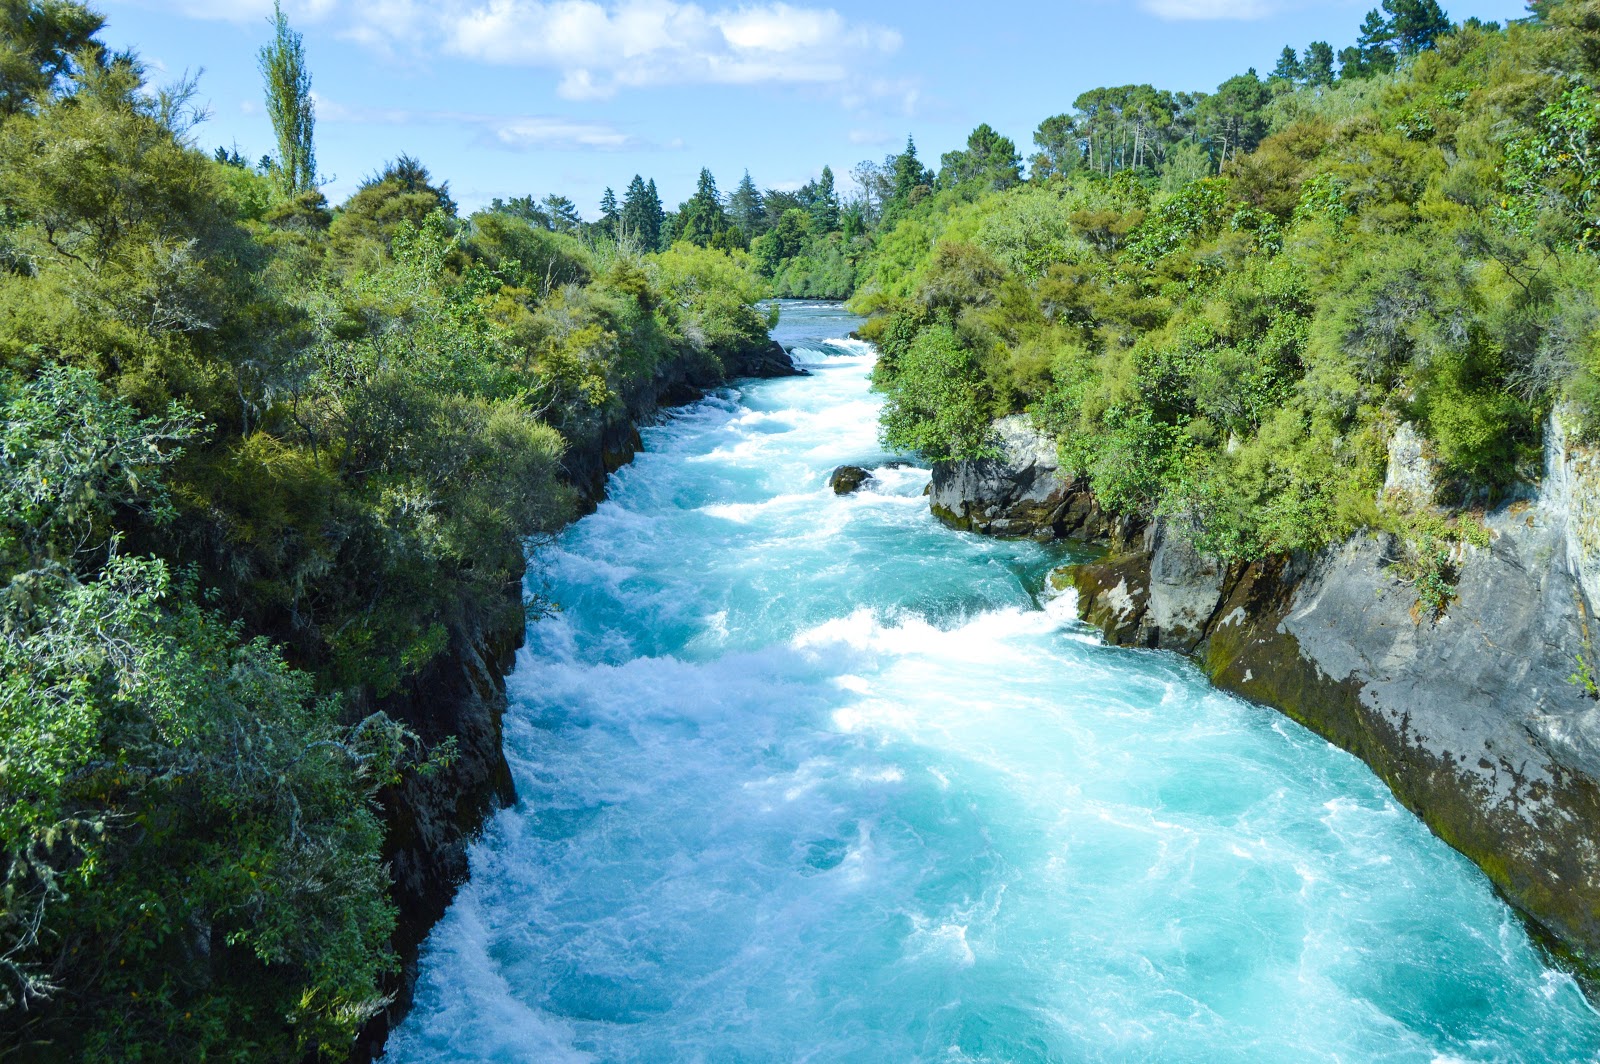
1479 720
1018 493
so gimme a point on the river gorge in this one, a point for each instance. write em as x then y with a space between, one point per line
813 777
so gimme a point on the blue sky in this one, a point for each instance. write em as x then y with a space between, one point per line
508 97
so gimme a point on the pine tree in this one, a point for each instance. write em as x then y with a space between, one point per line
1289 68
909 172
746 208
289 105
1318 64
608 211
701 219
825 203
1375 42
655 217
1415 24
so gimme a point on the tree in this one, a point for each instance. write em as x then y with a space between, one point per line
911 181
564 216
289 105
874 185
1375 45
1318 64
608 211
1060 147
989 158
1234 117
641 219
38 42
701 219
825 203
1415 24
1288 68
746 208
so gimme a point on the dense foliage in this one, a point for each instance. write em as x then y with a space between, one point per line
262 459
1223 305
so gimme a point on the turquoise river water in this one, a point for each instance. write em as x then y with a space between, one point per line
810 778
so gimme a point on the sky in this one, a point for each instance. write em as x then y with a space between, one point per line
516 97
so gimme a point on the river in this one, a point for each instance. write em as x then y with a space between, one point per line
812 778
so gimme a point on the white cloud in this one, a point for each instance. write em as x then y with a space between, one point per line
601 48
1209 10
510 132
598 48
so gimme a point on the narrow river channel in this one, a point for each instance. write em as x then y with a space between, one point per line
812 778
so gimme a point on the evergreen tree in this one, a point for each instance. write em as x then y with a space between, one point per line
289 105
825 203
564 216
746 209
656 217
989 158
40 42
1234 116
1415 24
1060 147
1318 64
608 211
909 174
701 219
640 218
1375 43
1289 68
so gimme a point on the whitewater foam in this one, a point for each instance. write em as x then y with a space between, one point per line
805 777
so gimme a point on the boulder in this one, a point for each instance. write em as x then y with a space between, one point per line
765 362
847 479
1020 492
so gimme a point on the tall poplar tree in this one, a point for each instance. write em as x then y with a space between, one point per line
289 105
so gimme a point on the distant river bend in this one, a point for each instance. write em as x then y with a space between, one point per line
806 777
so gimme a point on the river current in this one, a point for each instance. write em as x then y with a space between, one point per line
812 778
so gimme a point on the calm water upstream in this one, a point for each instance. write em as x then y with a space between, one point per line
813 778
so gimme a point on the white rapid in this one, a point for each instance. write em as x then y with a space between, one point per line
809 778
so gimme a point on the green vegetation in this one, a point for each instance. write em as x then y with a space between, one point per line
1222 305
263 460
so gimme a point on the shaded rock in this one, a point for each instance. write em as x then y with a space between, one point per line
847 479
766 362
1019 493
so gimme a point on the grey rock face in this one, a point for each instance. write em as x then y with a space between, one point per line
1470 719
1020 493
1185 588
1411 472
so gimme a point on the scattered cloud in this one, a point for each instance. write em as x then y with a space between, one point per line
873 137
1209 10
600 48
507 132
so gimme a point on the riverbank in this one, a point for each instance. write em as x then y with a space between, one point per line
430 820
1476 719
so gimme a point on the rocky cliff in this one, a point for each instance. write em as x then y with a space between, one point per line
432 819
1477 719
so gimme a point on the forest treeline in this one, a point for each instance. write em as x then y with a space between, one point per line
1223 306
261 456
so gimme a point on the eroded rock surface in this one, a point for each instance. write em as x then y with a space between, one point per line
1020 493
1473 719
